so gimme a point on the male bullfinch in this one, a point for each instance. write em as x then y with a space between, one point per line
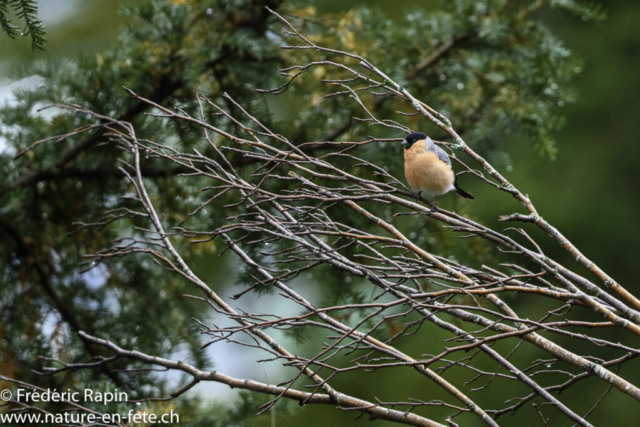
427 167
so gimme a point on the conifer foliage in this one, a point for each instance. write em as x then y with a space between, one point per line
27 11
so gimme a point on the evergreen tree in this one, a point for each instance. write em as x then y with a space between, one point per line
27 11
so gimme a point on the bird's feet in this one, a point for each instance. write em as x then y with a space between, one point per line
432 203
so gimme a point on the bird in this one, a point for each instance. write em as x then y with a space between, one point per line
427 168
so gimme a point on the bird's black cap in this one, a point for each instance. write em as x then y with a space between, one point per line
413 138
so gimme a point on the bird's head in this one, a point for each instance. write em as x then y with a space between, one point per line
412 138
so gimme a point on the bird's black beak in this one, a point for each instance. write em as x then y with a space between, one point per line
404 142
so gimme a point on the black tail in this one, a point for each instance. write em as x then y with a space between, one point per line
462 192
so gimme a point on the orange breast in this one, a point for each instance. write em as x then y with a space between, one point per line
426 172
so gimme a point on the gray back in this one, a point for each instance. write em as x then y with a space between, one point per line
442 155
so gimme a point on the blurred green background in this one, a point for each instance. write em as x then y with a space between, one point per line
588 190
